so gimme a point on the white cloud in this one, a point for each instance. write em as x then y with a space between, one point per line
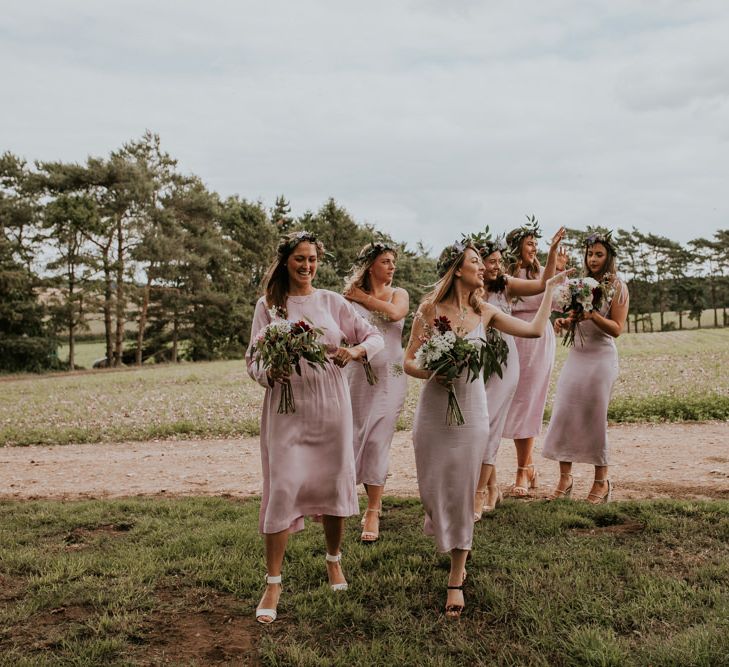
425 118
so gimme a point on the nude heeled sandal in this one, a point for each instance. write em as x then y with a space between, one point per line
601 500
267 616
335 559
370 536
558 494
523 491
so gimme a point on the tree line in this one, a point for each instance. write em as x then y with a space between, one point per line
173 269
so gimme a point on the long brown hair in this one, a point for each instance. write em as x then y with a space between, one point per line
360 273
532 268
275 284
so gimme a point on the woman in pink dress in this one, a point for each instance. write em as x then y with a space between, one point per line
375 408
307 458
577 431
500 291
448 458
536 357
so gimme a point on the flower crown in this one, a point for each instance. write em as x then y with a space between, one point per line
451 254
598 237
486 244
288 243
373 250
516 236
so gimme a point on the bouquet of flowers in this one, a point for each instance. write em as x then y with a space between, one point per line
578 296
448 354
280 348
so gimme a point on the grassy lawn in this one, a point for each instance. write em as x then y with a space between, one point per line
147 581
673 376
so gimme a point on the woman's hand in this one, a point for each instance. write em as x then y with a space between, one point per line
557 239
558 278
277 376
563 259
562 324
357 295
344 355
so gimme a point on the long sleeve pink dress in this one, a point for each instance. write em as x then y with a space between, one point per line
448 458
536 360
577 431
500 390
306 456
375 408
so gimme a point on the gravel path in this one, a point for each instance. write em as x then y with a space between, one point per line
649 461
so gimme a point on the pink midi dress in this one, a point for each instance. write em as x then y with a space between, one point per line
500 390
448 458
536 360
306 456
375 408
577 431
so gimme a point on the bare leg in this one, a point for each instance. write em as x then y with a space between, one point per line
564 484
525 465
493 497
275 545
333 533
481 490
454 600
600 486
371 519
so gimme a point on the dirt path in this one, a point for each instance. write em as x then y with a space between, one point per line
650 461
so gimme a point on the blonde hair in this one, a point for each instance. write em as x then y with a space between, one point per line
444 287
359 276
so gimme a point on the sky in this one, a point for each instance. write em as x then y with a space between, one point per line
424 118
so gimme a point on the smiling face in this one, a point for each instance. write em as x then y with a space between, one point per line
492 266
383 268
596 257
528 250
471 271
301 266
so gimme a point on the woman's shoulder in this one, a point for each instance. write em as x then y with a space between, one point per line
330 297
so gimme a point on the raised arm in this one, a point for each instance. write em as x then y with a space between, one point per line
395 310
424 314
516 327
521 287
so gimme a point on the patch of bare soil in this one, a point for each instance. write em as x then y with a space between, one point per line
198 627
686 460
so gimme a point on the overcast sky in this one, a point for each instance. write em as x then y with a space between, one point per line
425 118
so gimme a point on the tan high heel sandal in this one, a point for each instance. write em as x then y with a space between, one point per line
478 503
370 536
601 500
335 559
518 491
497 502
559 494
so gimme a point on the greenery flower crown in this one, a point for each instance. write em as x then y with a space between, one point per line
605 238
451 254
487 244
373 250
516 236
288 243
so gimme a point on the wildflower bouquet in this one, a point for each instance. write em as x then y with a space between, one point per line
448 354
578 296
280 347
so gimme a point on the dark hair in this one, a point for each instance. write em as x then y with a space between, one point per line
499 283
276 280
610 262
532 269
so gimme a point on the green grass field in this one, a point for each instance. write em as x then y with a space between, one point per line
673 376
151 581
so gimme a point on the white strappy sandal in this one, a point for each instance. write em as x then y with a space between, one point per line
335 559
262 614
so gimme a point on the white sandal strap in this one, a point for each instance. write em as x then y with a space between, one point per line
334 559
266 612
273 580
339 587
